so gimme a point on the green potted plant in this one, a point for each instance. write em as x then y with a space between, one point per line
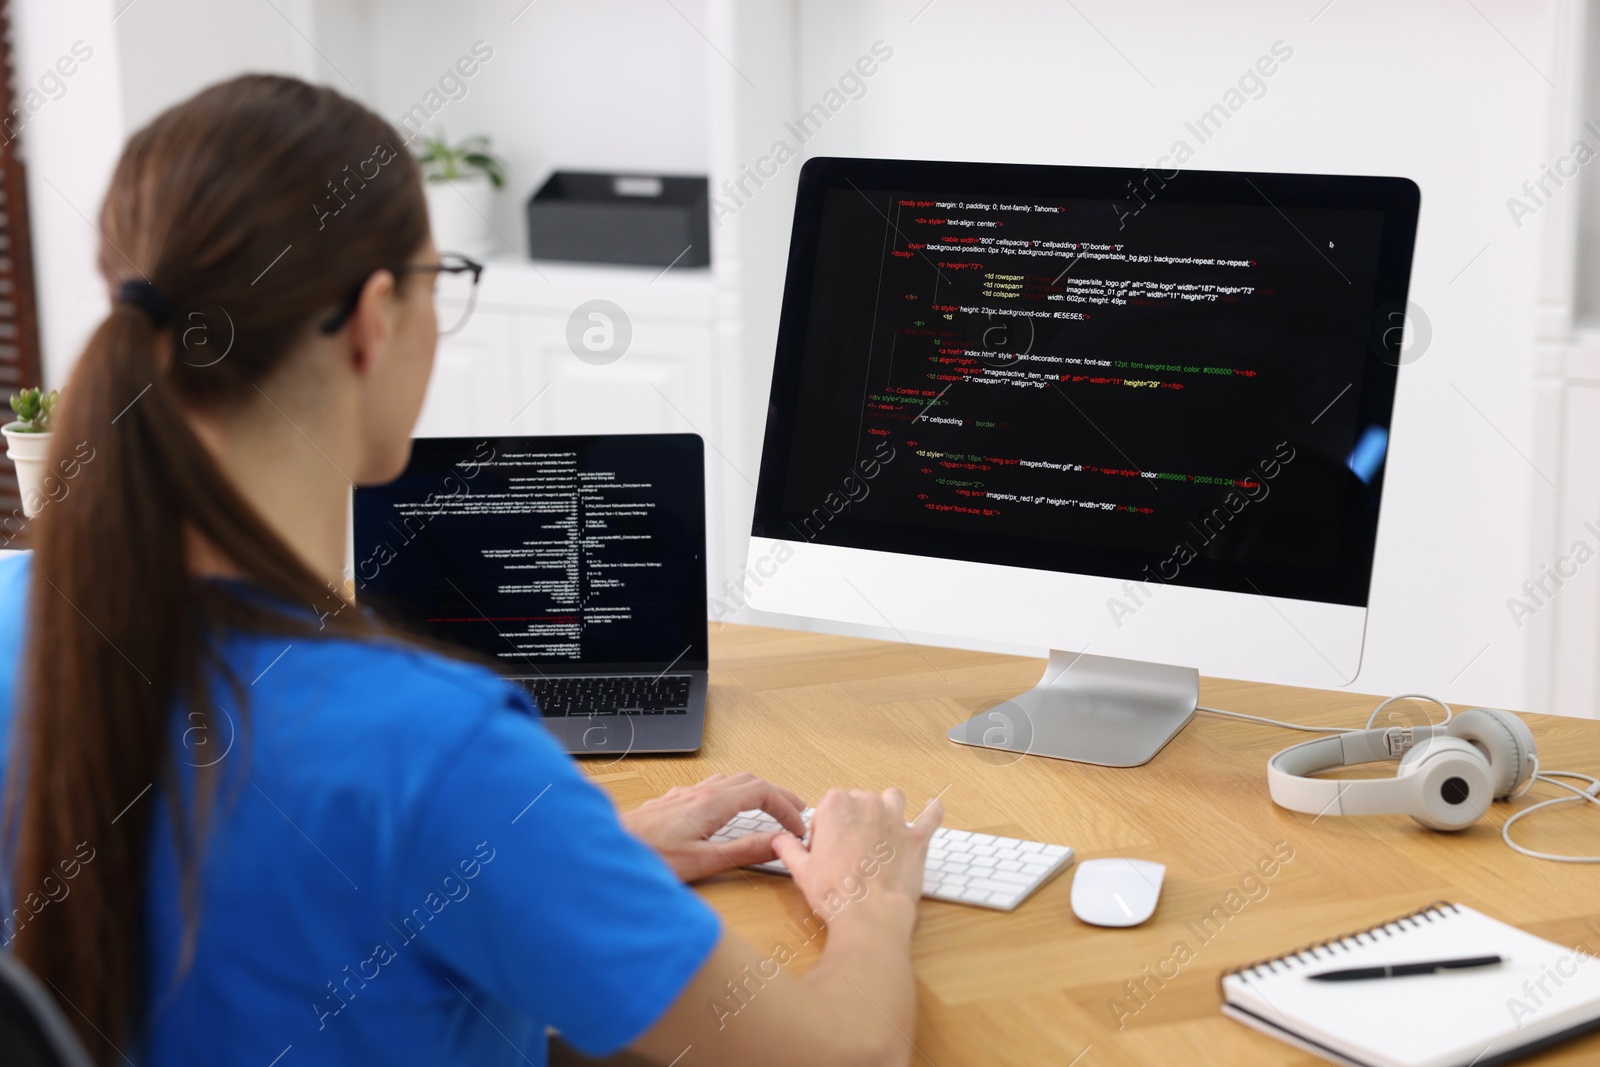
461 180
28 442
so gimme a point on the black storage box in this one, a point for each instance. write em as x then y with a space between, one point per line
620 218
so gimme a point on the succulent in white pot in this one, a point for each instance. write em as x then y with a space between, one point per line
461 182
28 443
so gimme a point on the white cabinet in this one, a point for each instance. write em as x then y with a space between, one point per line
657 386
474 384
513 369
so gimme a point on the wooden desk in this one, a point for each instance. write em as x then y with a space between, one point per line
1037 986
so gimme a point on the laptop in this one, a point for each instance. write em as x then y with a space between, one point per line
577 564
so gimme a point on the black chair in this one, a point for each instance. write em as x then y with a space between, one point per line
33 1031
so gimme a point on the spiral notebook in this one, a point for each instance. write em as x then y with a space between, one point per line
1542 993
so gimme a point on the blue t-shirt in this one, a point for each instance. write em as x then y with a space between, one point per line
403 869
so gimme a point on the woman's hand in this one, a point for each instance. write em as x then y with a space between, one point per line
864 858
677 823
862 876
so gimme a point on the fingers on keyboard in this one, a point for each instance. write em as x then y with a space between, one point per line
963 867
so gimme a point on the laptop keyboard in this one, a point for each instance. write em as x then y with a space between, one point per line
610 695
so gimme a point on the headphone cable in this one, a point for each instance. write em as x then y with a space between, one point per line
1275 722
1591 794
1549 777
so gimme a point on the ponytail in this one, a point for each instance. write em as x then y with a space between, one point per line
121 633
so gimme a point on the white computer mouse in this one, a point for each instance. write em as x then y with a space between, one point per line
1116 891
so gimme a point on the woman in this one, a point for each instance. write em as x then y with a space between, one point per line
247 826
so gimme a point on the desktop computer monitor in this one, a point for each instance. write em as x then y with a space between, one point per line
1136 417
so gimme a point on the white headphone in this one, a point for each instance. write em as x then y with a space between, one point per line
1448 774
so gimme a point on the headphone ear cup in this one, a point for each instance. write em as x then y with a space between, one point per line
1504 739
1451 783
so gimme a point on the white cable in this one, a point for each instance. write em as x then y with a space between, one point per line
1448 712
1579 795
1275 722
1448 715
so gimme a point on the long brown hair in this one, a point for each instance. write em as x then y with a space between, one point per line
246 216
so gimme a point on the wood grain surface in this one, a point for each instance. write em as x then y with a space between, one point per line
1037 986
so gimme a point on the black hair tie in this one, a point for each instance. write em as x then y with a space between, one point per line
147 298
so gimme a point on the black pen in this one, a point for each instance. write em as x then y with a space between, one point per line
1400 970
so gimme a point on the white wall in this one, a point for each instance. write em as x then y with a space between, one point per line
70 146
598 85
144 56
172 48
1430 91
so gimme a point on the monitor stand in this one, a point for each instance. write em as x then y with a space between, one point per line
1092 709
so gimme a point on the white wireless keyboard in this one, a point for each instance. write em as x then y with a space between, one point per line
963 867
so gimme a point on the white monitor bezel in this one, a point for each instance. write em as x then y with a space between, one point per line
1233 635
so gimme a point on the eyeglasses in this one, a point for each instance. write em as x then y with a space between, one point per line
451 312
